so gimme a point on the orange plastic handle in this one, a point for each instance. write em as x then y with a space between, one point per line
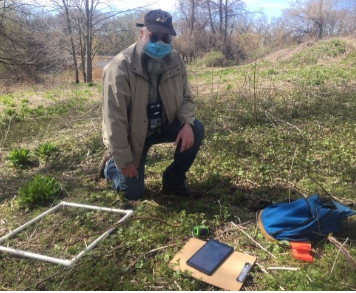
303 255
301 246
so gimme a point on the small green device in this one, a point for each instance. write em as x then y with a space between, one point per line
201 231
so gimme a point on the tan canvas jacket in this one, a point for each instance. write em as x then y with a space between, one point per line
126 96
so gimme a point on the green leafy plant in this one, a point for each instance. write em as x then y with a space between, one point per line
19 157
46 150
39 191
10 112
7 100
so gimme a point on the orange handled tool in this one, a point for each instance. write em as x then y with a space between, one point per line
302 251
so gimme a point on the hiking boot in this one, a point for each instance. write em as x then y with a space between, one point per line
184 192
106 157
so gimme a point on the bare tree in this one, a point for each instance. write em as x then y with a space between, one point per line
223 14
191 23
91 20
316 18
215 19
25 41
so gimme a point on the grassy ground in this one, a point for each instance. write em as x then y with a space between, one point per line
277 128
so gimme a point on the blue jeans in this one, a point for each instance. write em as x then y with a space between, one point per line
173 176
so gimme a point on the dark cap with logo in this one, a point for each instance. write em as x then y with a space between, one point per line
158 21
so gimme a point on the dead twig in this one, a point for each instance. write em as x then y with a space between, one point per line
134 262
6 289
295 188
252 182
337 255
290 172
179 287
161 248
343 250
328 194
259 245
217 186
278 121
5 135
262 268
322 187
283 268
267 273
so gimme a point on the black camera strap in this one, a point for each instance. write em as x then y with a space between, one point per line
155 69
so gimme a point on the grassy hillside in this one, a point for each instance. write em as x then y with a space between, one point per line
278 128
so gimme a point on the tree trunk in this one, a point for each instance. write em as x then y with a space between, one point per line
211 18
82 54
88 10
321 20
220 16
225 28
192 15
70 31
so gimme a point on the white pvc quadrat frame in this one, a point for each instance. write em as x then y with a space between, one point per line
67 263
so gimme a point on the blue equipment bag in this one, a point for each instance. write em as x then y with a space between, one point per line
304 219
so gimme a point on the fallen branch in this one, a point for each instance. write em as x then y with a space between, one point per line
259 245
337 255
343 250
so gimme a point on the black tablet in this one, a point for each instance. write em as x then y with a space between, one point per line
210 256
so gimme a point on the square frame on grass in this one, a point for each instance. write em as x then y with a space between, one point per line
64 262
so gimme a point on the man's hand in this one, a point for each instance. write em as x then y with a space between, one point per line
187 136
130 171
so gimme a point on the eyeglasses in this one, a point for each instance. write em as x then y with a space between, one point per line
165 38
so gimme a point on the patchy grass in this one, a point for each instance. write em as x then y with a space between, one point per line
273 131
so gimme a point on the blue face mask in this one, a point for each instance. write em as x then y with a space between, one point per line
157 50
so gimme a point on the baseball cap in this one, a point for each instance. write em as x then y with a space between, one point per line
158 21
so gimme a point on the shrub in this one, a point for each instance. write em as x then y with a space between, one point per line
19 157
214 58
40 191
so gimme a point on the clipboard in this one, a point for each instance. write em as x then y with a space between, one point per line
226 275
